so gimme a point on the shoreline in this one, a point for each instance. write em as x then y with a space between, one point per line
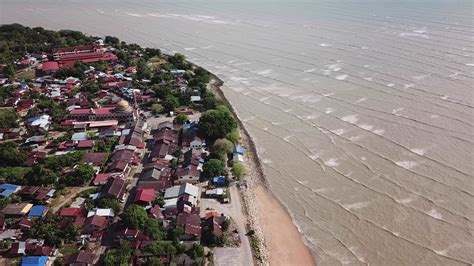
278 241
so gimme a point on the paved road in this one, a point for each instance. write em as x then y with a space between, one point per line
231 256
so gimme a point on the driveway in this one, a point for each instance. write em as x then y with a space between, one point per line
231 256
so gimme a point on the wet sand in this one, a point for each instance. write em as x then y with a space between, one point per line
284 245
361 111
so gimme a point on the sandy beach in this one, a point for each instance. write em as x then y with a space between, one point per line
284 245
280 241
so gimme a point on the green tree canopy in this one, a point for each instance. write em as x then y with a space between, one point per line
135 216
118 257
161 248
8 118
82 174
213 167
170 103
234 136
239 170
221 148
180 119
217 123
11 154
153 229
157 108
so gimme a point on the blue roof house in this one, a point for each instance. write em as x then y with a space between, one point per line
238 149
38 211
7 189
218 180
34 261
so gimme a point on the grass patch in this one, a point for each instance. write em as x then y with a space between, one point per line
86 193
30 74
68 250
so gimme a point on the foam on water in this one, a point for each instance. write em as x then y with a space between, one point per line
407 164
342 77
350 118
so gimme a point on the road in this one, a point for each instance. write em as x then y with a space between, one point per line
66 199
231 256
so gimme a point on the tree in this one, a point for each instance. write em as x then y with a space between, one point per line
238 170
82 174
111 40
153 261
157 108
162 91
118 257
135 216
153 229
161 248
222 147
10 72
178 61
209 101
170 103
41 176
213 167
197 251
234 136
217 123
143 71
46 229
180 119
8 118
111 203
11 154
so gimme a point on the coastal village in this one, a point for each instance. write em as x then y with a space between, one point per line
113 154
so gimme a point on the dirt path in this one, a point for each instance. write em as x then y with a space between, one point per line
63 200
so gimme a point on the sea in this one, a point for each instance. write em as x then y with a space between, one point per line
361 110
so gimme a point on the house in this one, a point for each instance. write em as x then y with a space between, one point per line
85 144
157 185
178 191
152 173
48 68
145 196
213 225
95 158
36 193
71 212
238 149
94 223
35 140
189 174
42 122
34 261
197 143
155 213
218 180
7 189
195 99
44 251
130 234
17 209
82 258
216 193
38 211
101 212
101 179
115 188
191 224
79 136
238 157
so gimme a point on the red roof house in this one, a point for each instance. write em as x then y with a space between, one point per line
145 196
